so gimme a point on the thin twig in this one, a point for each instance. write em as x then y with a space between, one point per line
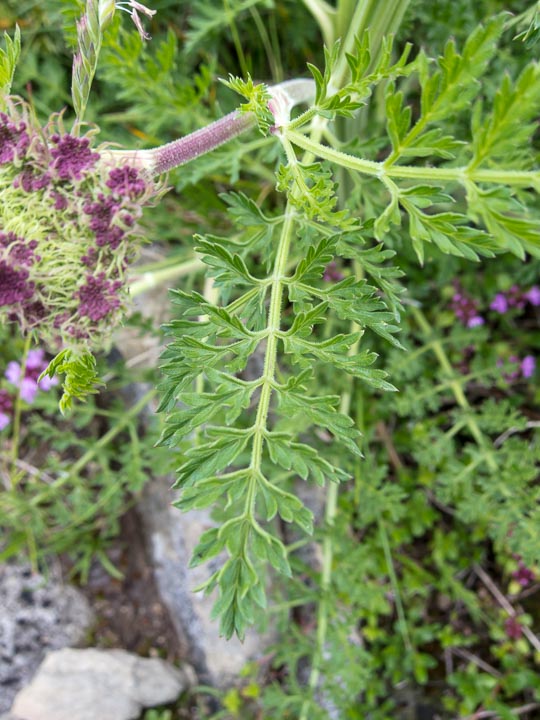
382 432
482 664
513 430
505 604
482 714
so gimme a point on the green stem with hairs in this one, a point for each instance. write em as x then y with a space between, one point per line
517 178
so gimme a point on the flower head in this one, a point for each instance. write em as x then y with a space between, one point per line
68 229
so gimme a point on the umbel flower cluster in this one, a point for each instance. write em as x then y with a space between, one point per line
68 229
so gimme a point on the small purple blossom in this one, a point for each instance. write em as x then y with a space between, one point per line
523 575
475 321
32 181
98 297
17 250
528 366
14 285
29 384
533 295
499 303
101 213
14 140
466 309
524 368
6 406
127 182
60 201
515 297
71 156
513 628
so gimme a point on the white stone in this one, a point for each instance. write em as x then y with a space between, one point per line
90 684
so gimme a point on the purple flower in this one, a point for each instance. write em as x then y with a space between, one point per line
475 321
6 405
98 297
14 139
29 384
126 182
523 575
515 297
32 181
17 250
513 628
14 285
13 372
499 303
28 390
533 295
466 309
528 366
71 156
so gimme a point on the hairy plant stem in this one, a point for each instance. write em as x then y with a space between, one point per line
518 178
456 388
270 357
181 151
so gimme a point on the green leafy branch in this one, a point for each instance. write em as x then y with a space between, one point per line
239 435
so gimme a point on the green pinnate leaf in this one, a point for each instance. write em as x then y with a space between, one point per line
257 96
80 375
301 459
226 267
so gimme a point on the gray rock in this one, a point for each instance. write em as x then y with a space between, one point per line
171 537
36 615
106 684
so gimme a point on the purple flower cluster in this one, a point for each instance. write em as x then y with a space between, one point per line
69 218
14 139
513 628
98 297
523 574
27 384
71 157
524 368
466 309
515 298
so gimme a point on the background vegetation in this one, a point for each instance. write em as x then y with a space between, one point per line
433 597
